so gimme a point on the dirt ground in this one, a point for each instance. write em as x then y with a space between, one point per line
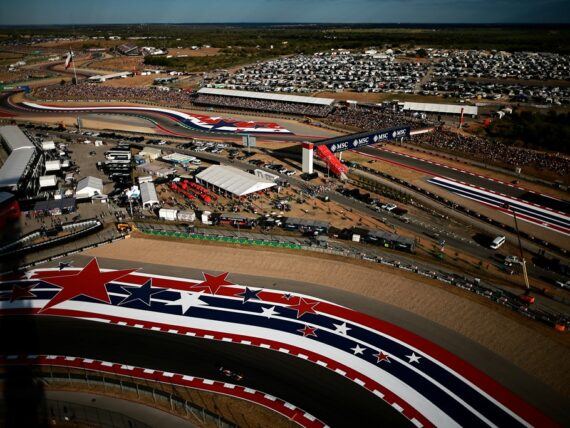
527 345
123 63
191 52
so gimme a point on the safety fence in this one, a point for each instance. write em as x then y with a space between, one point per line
460 208
475 285
227 239
156 395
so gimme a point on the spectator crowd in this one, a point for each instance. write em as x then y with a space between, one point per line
491 151
358 117
369 118
273 106
95 92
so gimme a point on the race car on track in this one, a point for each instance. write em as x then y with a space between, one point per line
230 373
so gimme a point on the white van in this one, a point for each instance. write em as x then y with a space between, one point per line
497 242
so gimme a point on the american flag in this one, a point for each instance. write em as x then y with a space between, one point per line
426 383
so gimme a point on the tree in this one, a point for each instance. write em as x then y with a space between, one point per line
62 82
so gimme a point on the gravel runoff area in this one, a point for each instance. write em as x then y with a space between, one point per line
540 353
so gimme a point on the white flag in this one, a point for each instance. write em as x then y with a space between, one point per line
68 59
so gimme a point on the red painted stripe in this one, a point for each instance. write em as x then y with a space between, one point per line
237 391
371 385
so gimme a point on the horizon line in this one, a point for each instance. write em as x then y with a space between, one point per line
290 23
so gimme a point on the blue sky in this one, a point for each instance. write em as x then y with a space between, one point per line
39 12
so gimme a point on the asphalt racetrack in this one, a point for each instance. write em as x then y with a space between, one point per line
326 395
475 180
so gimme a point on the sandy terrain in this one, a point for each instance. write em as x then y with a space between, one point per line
524 343
118 123
123 63
191 52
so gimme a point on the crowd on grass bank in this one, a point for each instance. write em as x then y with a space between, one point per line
263 105
491 151
92 91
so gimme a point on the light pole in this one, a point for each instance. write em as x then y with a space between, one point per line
523 261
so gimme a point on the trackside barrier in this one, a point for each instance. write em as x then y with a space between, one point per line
165 384
228 239
64 254
444 201
86 227
488 291
120 385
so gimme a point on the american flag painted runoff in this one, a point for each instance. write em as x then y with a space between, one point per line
426 383
199 122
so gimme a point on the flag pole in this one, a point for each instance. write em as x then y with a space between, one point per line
73 62
74 71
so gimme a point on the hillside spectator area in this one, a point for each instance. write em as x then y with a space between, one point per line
496 152
258 101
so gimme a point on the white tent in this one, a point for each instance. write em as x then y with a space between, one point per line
48 145
151 153
53 165
148 194
233 180
89 187
48 181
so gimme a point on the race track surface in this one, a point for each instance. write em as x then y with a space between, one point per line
327 395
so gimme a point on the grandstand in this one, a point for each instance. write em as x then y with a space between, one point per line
21 170
441 108
276 103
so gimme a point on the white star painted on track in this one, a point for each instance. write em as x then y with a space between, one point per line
358 350
342 328
187 300
29 273
269 312
413 358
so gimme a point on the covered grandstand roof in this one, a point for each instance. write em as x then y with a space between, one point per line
265 96
22 153
440 108
13 169
14 138
233 180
